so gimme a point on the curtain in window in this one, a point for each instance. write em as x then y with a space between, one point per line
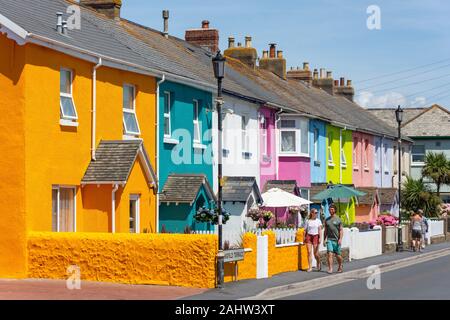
54 210
66 210
288 141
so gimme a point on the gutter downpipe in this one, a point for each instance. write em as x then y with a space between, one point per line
163 79
113 208
94 107
277 160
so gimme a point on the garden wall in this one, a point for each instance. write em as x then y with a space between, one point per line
162 259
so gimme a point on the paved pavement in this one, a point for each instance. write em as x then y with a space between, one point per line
250 288
422 281
56 290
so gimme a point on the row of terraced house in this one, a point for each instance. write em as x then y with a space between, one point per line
112 128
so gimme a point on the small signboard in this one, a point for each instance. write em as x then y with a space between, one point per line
233 255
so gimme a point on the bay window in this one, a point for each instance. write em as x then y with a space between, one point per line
294 137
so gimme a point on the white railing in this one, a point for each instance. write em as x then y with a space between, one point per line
282 236
233 238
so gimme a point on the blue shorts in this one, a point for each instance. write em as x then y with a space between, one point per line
334 247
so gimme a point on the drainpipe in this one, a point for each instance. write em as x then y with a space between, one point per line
277 160
163 79
94 107
113 208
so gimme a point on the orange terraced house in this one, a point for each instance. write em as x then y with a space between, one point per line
77 130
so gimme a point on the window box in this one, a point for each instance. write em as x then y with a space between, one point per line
171 140
317 163
246 155
199 146
225 152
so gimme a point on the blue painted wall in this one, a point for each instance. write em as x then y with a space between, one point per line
318 168
183 158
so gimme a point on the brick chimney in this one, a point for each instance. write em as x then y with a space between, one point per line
345 90
298 74
274 63
324 81
246 54
110 8
205 37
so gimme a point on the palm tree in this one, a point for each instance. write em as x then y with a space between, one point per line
417 195
437 168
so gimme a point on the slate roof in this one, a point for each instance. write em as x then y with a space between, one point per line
387 195
114 162
369 198
184 188
316 189
285 185
238 189
388 114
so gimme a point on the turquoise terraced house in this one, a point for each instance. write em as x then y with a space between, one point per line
185 156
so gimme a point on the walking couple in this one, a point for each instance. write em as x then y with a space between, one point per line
333 234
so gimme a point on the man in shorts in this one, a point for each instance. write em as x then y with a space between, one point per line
333 239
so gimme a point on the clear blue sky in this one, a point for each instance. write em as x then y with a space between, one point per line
333 34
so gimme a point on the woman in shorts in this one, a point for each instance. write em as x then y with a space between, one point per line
313 230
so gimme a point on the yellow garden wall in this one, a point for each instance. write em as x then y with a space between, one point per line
166 259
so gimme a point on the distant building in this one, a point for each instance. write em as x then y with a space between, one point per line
429 128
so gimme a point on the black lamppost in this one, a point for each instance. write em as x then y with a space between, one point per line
399 118
219 72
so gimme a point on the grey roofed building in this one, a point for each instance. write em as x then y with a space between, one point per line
370 196
239 189
387 195
285 185
184 188
114 162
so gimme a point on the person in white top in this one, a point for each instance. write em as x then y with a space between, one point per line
313 230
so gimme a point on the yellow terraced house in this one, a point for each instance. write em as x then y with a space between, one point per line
77 130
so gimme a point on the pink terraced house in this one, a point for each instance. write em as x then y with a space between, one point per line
363 160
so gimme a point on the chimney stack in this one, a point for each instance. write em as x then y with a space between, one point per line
110 8
301 74
346 91
165 15
325 82
275 63
246 55
205 37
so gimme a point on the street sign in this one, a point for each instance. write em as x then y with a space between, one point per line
233 255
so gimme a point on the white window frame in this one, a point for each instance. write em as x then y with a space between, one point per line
58 189
366 154
137 218
197 123
130 111
355 154
343 157
298 138
330 159
67 95
385 159
245 137
415 163
316 144
378 155
167 115
264 136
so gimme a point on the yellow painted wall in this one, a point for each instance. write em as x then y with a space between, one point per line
12 160
57 155
163 259
247 267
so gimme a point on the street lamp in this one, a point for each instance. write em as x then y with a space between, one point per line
219 72
399 118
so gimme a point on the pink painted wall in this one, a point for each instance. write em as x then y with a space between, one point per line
295 168
268 164
363 176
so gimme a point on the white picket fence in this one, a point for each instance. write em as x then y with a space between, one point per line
283 236
233 238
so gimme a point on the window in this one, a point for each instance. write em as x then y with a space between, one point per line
197 132
134 214
304 193
265 137
366 154
377 157
245 135
130 122
330 150
67 106
294 137
355 154
316 144
418 154
385 159
63 209
343 158
167 120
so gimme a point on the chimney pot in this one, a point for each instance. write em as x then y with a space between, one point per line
322 73
329 74
342 82
230 42
239 44
205 24
110 8
265 54
165 15
248 42
315 74
305 65
59 18
272 50
280 54
349 83
64 27
336 83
